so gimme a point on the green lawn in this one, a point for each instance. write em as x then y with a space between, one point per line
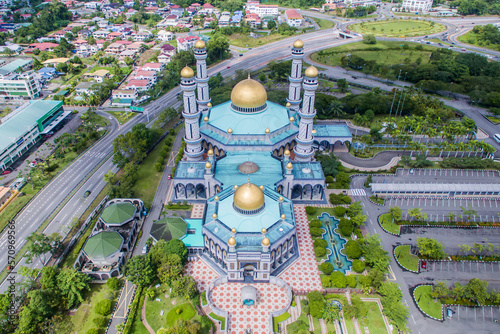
317 326
301 317
471 38
350 326
324 24
377 200
430 306
388 225
122 116
148 178
278 319
220 319
81 321
245 41
184 311
382 56
405 258
374 320
397 28
493 119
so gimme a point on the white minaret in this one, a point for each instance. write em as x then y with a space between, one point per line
200 53
304 150
191 115
295 77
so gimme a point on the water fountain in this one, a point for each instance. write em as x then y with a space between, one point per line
335 242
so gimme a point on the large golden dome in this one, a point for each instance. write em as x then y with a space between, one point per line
248 197
248 94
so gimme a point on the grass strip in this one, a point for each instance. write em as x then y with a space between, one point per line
405 258
218 318
388 225
428 305
278 319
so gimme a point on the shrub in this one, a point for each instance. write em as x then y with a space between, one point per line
315 223
325 281
345 227
304 305
320 243
326 268
339 211
316 232
100 322
310 210
352 249
358 266
114 283
92 331
206 322
338 279
103 307
329 179
320 251
351 281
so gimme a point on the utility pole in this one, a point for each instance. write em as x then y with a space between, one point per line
400 96
401 112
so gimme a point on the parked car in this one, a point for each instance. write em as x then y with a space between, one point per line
169 176
145 250
5 172
38 160
32 165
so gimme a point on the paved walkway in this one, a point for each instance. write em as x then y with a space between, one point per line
303 275
201 272
197 211
294 311
143 315
121 309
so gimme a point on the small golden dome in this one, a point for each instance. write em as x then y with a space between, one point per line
266 242
210 152
205 118
292 119
311 72
261 187
283 216
281 199
268 131
287 152
233 230
288 105
298 44
187 72
231 241
229 130
235 186
208 165
314 131
216 198
214 216
248 197
199 44
209 105
289 165
263 230
248 93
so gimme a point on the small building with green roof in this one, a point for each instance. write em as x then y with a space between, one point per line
103 255
118 214
169 228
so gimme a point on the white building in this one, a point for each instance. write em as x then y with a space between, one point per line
224 19
92 5
417 5
262 10
164 35
19 86
293 18
186 43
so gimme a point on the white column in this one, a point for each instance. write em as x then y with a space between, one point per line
193 150
303 150
295 77
200 53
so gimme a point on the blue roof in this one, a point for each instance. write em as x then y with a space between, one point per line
308 170
331 130
190 170
46 70
273 118
270 171
194 236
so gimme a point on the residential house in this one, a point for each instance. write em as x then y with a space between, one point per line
136 47
85 88
123 97
293 18
140 85
224 19
101 33
127 53
55 61
45 46
207 21
115 48
115 34
145 75
156 67
15 48
92 5
86 50
46 73
252 19
103 24
142 36
97 76
164 58
176 10
168 49
165 35
84 34
255 7
186 43
100 43
208 8
170 20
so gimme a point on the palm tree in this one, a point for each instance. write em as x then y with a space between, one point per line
337 109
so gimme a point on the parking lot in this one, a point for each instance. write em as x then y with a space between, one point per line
440 176
485 268
488 209
481 319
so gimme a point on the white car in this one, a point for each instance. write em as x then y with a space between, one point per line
144 249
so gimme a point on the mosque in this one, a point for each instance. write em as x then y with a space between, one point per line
248 160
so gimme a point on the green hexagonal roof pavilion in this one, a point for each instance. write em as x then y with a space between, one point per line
103 244
118 213
169 228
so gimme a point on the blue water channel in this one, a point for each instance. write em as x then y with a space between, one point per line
335 243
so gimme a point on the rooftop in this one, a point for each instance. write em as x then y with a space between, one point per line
168 229
118 213
103 244
331 130
14 65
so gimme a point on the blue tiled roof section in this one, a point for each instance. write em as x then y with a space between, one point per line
308 170
214 135
190 170
270 170
332 130
283 135
194 236
273 118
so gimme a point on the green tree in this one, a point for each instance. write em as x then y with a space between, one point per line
369 39
374 254
316 304
331 312
358 266
352 249
103 307
342 85
338 279
430 248
396 213
357 308
170 269
326 268
72 285
139 270
354 209
440 290
40 244
477 291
